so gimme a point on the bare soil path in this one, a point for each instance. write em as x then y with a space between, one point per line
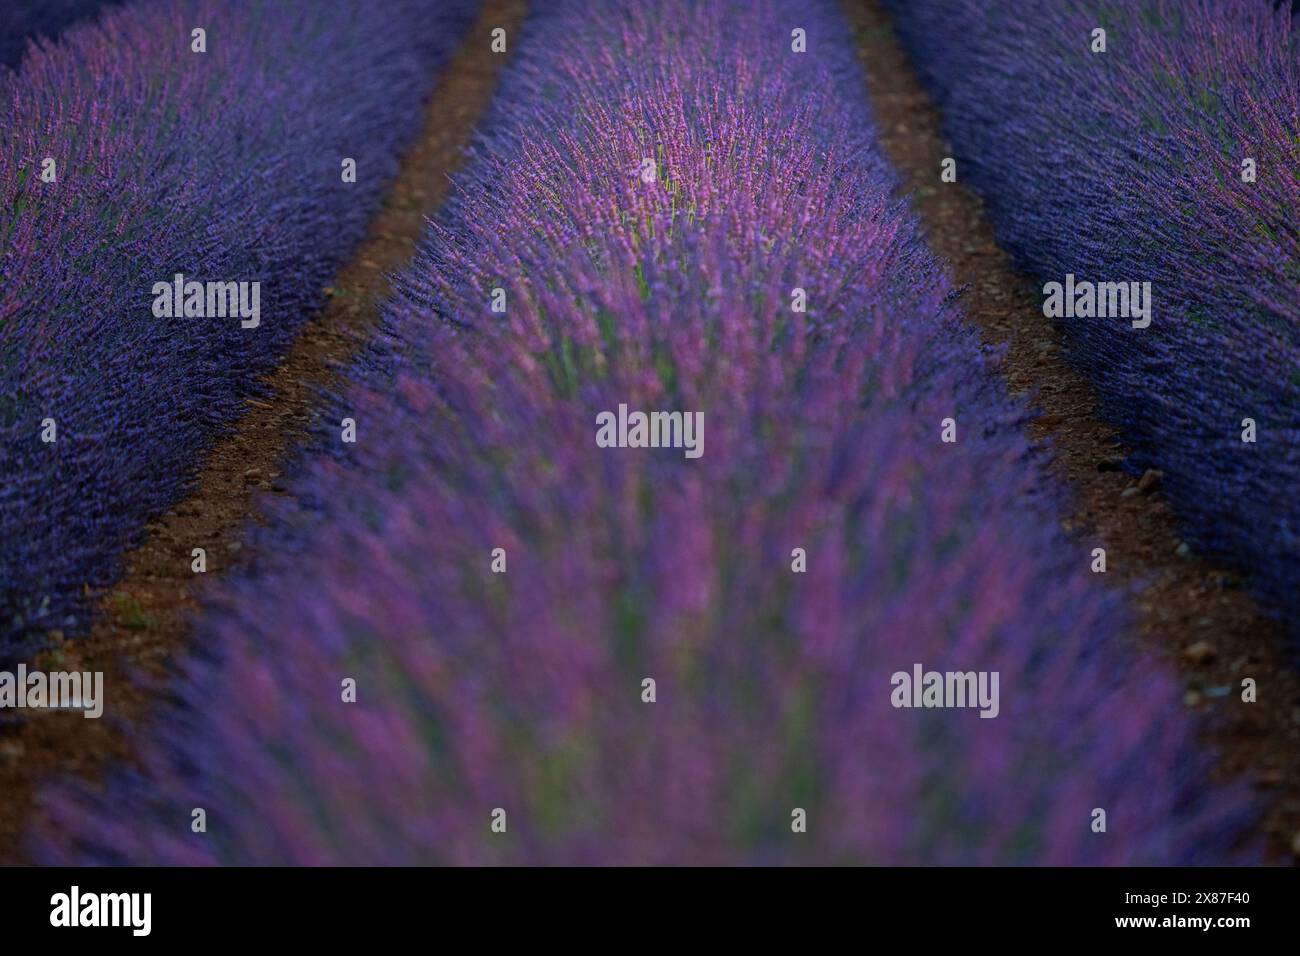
143 624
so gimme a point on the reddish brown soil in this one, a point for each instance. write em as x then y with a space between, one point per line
143 624
1194 614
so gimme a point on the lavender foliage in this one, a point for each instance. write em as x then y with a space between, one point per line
475 430
223 166
1128 166
26 21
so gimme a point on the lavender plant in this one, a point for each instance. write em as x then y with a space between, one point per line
501 711
221 165
27 21
1170 158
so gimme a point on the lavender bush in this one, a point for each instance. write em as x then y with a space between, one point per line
224 165
25 21
1125 166
476 430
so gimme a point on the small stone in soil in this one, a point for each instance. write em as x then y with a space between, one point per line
1200 653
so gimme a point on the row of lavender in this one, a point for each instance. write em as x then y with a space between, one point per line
1174 158
27 21
135 150
650 187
